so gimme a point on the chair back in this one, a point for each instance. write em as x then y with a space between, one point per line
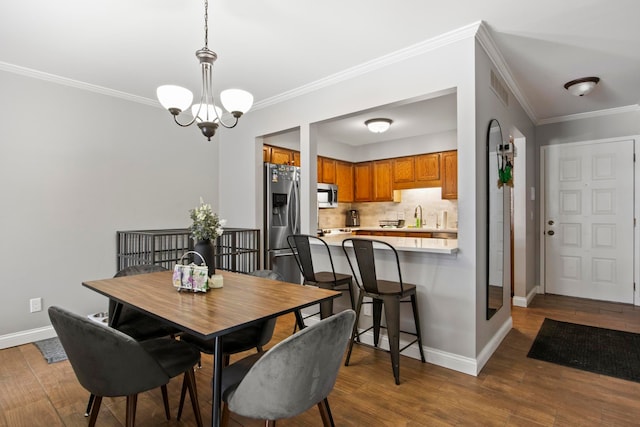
132 270
366 263
266 331
300 245
296 373
105 361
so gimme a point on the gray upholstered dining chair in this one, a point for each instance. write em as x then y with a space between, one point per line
133 322
109 363
384 293
300 245
291 377
250 337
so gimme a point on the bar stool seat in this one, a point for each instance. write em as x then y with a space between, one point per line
385 294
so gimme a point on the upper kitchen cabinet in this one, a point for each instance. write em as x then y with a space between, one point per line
280 156
449 166
382 181
416 171
344 180
326 170
295 158
404 172
428 170
266 153
362 182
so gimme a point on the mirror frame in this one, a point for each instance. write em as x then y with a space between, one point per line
492 304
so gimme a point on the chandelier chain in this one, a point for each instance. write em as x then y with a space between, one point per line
206 24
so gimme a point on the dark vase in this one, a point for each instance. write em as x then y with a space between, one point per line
206 249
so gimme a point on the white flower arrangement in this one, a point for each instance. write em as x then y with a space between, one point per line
206 225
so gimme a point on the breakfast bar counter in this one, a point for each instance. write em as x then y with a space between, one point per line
411 244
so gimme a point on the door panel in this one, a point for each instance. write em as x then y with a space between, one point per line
588 226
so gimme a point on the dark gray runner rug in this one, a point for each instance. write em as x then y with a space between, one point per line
51 349
598 350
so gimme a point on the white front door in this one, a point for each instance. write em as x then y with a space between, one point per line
588 220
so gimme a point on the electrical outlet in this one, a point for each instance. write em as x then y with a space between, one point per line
367 307
35 304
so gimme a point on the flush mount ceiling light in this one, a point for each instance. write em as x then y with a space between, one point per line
581 87
206 113
378 125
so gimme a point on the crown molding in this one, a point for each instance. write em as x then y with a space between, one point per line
28 72
486 41
590 114
375 64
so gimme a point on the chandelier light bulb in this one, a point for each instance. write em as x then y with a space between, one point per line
206 112
174 97
236 101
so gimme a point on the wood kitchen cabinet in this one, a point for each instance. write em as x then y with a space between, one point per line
428 170
280 156
362 182
327 170
404 172
449 166
344 180
416 171
382 181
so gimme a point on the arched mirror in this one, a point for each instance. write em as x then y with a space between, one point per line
497 169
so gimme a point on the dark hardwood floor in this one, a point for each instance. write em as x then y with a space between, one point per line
511 390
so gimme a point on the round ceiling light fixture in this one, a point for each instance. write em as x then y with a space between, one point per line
378 125
581 87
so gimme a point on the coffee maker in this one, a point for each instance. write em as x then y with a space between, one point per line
353 218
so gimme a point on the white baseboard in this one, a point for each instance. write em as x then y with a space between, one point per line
525 301
493 344
453 361
25 337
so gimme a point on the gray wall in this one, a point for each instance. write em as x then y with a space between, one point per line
76 166
510 116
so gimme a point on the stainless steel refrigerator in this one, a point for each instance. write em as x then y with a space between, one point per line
281 218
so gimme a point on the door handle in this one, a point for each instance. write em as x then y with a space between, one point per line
551 232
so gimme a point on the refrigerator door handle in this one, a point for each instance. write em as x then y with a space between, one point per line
295 213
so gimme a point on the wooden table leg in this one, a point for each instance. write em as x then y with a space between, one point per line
217 382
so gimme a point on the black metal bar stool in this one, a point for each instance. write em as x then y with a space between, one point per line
383 293
300 245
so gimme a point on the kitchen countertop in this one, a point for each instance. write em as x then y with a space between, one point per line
410 244
411 229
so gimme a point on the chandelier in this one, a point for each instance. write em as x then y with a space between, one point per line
206 113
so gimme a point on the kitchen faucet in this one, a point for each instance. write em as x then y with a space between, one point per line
415 215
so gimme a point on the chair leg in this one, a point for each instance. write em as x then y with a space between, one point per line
224 417
183 394
355 328
165 400
377 316
132 403
352 295
392 314
89 404
325 413
94 410
416 318
190 379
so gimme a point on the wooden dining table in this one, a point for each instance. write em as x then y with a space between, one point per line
242 301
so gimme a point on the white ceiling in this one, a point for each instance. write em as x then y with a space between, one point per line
269 47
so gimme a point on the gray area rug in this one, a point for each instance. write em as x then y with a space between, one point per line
51 349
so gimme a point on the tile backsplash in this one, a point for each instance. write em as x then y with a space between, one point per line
371 212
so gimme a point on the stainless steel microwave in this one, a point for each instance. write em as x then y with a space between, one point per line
327 196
